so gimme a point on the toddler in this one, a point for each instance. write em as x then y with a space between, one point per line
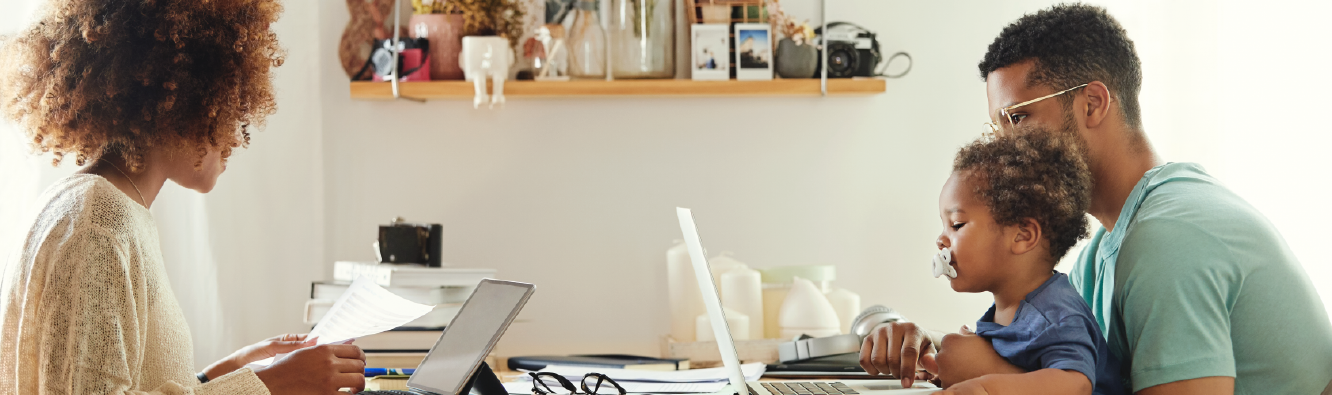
1011 209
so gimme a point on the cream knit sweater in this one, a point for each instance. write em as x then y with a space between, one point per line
87 306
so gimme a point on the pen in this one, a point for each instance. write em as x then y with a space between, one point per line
372 372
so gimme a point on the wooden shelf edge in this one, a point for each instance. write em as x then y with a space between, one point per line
644 88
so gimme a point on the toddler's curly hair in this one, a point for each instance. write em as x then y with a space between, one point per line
1039 174
91 77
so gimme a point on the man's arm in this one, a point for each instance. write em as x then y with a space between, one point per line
1174 288
1198 386
1044 381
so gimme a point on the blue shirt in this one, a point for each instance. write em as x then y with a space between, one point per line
1054 329
1194 282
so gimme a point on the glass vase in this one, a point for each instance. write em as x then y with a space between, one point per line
642 38
587 42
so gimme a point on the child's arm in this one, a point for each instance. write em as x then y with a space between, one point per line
1044 381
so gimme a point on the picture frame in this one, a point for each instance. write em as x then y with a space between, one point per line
710 52
753 51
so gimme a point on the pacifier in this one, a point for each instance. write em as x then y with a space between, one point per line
941 264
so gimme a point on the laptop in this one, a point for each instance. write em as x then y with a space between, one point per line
461 350
731 360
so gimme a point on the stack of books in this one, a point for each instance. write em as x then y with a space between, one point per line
403 347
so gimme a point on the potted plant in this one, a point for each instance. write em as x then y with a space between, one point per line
442 26
796 55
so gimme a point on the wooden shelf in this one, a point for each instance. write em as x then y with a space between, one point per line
592 88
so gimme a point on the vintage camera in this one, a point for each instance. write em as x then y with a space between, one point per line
853 51
402 242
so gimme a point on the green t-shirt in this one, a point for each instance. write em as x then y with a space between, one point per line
1194 282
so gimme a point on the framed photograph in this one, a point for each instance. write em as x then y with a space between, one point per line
711 52
753 51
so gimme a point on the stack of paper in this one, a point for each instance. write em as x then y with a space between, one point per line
646 381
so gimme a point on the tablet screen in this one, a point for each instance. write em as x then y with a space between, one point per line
470 337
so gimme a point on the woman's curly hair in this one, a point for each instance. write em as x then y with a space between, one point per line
92 77
1037 174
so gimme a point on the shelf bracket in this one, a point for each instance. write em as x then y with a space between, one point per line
823 40
395 48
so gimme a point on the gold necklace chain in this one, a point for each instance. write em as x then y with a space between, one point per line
127 178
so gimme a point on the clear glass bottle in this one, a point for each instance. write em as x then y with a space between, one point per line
587 43
643 38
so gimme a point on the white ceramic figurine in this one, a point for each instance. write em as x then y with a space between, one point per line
482 58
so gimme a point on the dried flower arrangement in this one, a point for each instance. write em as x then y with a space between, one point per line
503 18
799 32
425 7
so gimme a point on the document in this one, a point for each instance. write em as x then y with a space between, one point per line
364 309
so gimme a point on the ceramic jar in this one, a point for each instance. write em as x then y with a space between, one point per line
444 31
796 61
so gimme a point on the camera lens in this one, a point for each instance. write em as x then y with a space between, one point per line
842 60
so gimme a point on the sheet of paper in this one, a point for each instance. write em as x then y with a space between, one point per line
363 310
525 387
752 372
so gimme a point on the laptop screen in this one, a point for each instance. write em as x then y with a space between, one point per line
470 337
711 301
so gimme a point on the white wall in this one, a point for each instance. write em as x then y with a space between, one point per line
577 195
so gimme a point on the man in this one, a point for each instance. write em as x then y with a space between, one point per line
1196 291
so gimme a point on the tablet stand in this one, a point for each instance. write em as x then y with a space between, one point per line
483 382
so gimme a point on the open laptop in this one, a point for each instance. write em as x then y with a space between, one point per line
461 350
731 360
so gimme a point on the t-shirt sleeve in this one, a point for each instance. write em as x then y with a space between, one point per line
1174 300
1069 344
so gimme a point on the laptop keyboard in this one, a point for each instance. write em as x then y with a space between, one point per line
809 388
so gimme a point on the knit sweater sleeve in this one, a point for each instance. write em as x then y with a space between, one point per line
95 311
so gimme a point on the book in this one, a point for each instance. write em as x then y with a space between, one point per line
397 360
386 383
441 316
331 290
410 275
609 361
402 339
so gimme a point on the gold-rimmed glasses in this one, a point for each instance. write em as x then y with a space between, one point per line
1006 114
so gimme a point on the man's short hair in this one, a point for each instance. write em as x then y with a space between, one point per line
1039 174
1072 44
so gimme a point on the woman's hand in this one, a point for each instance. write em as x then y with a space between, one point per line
316 370
259 351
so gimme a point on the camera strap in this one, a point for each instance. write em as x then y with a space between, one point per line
881 68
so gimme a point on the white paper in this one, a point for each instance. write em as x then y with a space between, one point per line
525 387
363 310
752 372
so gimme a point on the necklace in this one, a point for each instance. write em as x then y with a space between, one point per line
131 181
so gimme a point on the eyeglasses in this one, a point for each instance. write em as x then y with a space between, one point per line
542 382
1007 118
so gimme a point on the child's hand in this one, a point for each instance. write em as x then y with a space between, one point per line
969 387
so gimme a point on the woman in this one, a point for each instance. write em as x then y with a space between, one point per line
139 92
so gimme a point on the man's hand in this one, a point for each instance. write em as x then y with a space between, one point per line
268 348
896 349
316 370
